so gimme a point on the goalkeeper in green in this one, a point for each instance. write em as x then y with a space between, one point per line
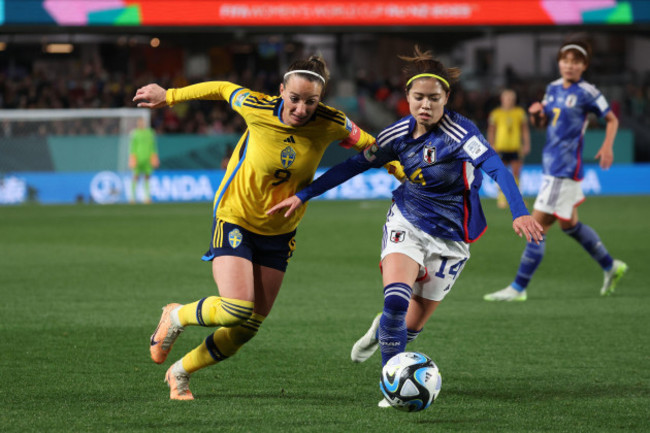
143 157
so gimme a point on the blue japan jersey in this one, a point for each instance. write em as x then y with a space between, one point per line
441 196
566 110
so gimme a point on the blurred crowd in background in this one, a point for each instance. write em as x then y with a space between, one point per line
99 83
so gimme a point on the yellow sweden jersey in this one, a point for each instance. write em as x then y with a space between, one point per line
272 160
508 124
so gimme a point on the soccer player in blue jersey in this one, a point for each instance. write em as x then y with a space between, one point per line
436 212
277 156
563 111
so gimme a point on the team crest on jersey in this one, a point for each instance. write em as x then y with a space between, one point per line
235 237
239 100
287 156
571 101
429 154
397 236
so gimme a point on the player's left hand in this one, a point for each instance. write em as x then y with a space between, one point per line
606 157
151 96
292 203
526 225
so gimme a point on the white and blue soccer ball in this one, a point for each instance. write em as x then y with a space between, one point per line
410 381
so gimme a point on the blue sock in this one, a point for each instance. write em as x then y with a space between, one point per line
530 260
392 325
588 238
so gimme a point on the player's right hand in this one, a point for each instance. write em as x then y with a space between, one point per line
292 203
536 109
528 226
538 117
151 96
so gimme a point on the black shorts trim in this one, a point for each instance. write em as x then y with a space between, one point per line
509 156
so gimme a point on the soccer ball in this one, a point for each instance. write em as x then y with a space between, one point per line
410 381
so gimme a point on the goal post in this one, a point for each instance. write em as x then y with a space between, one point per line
69 140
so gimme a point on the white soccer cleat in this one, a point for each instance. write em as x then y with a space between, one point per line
383 403
368 344
508 294
612 277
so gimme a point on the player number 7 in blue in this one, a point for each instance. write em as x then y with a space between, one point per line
453 269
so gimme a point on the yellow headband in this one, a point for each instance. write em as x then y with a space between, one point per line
427 75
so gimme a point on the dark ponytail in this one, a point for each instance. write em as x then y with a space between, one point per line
315 64
425 63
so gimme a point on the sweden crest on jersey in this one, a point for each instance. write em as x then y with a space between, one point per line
234 238
287 156
429 154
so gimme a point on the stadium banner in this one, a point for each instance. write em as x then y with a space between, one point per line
109 187
321 12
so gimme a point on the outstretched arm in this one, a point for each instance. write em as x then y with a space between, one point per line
151 96
361 140
154 96
331 178
523 224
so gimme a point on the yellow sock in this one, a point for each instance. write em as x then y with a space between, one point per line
222 344
215 311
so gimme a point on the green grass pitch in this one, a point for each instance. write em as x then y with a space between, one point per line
82 287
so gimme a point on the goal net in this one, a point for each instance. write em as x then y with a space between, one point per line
66 140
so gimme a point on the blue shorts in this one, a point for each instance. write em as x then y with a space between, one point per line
233 240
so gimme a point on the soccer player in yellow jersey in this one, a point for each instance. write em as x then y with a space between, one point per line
509 134
276 157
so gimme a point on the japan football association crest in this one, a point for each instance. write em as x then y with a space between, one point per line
429 154
397 236
287 156
235 237
571 101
